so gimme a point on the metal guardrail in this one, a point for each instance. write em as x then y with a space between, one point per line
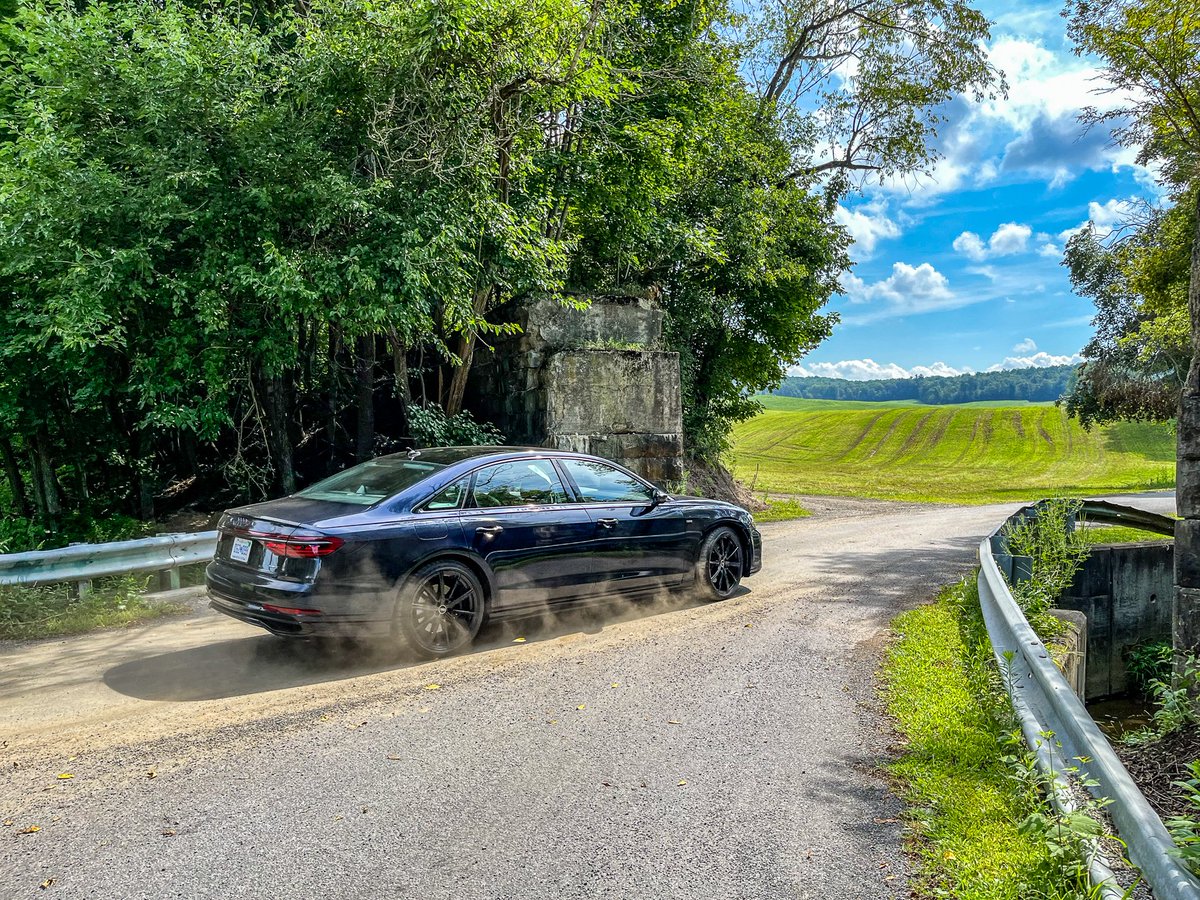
83 562
1058 727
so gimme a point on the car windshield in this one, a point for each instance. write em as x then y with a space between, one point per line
370 482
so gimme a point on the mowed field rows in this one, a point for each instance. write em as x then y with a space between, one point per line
956 454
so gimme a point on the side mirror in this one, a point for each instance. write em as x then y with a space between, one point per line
659 497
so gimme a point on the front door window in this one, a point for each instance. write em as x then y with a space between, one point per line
524 482
599 483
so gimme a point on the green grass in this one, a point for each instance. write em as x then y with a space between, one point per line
1119 534
49 611
964 803
949 454
781 511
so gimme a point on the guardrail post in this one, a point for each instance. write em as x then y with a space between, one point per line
81 589
168 580
1022 569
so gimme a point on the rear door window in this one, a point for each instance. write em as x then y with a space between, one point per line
522 482
601 483
449 497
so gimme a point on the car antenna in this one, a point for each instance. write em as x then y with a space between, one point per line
412 453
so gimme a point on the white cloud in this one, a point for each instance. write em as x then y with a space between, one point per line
972 245
1114 212
909 290
869 370
1105 216
1050 250
1026 346
1007 240
867 224
1033 130
1039 360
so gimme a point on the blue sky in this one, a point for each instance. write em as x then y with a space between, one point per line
962 270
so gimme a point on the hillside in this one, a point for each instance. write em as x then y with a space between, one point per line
960 454
1033 385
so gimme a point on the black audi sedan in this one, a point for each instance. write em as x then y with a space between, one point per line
424 546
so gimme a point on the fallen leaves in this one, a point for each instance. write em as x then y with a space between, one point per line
45 884
168 832
681 782
518 640
30 829
64 776
582 706
394 757
433 687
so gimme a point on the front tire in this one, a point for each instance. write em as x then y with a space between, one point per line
720 564
440 609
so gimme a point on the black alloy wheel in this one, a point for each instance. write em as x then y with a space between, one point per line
720 566
440 609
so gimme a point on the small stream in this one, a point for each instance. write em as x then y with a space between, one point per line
1117 716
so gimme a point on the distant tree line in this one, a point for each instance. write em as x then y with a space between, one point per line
1034 385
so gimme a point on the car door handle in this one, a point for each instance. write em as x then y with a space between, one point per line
607 523
489 530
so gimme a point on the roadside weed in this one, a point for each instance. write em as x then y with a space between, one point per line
36 612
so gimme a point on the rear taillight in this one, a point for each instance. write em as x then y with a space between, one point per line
290 610
304 547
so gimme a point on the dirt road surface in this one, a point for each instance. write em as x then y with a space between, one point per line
728 750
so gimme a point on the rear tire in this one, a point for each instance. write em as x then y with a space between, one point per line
720 564
440 609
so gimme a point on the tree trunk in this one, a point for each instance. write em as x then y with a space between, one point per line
403 388
35 480
47 481
143 484
466 350
279 442
364 398
1186 616
333 396
16 483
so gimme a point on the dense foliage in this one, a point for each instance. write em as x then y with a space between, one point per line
1034 385
242 245
1138 276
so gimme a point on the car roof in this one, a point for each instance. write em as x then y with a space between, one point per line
448 456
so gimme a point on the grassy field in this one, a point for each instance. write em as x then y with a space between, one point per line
977 453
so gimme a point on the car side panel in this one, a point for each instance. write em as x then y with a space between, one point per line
535 553
638 547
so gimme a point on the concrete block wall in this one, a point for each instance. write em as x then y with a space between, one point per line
591 380
1126 591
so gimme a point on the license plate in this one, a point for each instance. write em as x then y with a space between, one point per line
240 552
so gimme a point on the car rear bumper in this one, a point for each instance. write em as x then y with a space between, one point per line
292 609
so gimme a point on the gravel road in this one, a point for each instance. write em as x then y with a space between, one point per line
680 751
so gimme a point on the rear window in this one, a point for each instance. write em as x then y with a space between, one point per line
370 482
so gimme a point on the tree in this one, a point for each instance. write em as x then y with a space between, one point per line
1151 50
863 83
1137 276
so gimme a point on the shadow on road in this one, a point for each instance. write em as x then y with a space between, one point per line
263 662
